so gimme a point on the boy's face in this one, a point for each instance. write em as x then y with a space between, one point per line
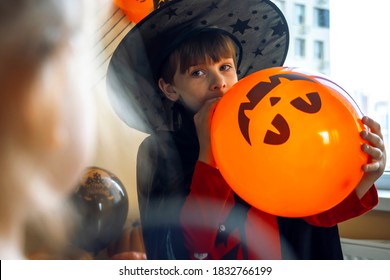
202 82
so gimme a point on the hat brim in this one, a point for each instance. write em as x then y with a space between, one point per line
258 28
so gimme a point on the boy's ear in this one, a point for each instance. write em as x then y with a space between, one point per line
168 90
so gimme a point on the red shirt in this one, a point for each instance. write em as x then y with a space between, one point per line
211 201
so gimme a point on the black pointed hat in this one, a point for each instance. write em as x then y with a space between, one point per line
258 28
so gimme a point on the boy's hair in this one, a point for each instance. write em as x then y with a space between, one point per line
204 47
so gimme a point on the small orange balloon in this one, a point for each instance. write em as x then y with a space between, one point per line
135 10
287 141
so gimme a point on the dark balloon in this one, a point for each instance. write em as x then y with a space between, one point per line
102 205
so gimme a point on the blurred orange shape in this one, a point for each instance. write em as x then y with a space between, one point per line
135 10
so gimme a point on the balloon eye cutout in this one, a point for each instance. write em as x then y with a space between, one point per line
313 107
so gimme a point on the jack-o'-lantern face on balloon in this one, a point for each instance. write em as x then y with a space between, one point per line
310 103
288 143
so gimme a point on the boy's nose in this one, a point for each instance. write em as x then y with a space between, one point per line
219 83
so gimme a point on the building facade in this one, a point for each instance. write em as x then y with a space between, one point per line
309 24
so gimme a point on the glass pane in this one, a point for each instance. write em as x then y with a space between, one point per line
360 57
321 17
299 11
318 50
299 47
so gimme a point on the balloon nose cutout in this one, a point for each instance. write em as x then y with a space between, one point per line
274 100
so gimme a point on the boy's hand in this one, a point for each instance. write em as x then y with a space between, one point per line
377 156
202 121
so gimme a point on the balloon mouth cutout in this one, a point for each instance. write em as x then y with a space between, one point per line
287 141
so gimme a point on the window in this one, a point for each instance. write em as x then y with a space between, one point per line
319 50
321 17
359 60
300 47
299 14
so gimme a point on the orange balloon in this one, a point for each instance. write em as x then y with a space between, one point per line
287 141
135 10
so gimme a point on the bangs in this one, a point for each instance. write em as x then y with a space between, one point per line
207 47
203 48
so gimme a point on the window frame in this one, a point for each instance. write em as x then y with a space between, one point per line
319 21
299 14
300 47
319 49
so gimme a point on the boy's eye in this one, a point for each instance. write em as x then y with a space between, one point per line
225 67
197 73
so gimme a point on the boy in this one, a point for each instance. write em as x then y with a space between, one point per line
187 209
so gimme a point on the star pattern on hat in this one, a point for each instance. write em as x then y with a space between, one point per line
258 52
279 29
171 12
213 6
240 26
